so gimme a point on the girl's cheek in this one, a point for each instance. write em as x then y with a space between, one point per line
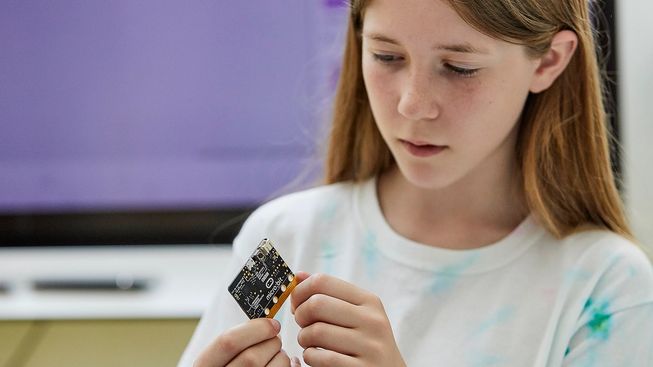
465 94
374 78
380 83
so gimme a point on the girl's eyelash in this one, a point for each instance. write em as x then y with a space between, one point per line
385 58
388 59
466 73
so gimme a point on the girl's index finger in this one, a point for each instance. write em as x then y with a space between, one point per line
300 276
235 340
330 286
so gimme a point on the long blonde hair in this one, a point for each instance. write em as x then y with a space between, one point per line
562 150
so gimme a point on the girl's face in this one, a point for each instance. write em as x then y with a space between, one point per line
445 97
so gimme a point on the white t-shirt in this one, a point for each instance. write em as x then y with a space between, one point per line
526 300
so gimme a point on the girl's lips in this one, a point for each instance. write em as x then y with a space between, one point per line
420 149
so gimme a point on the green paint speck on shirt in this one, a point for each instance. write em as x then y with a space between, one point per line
600 319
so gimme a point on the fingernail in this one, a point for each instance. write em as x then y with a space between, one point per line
276 325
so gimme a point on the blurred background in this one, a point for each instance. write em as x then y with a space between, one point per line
136 136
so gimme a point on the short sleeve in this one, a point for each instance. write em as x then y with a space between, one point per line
615 327
621 338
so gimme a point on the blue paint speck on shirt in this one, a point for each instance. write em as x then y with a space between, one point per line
502 316
327 255
600 322
370 253
445 278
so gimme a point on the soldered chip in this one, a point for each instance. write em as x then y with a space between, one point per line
264 282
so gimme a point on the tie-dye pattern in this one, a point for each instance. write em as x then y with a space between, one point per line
499 317
484 308
479 355
370 253
480 359
328 254
600 322
328 212
445 278
577 275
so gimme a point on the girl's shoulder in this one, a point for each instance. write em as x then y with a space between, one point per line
614 266
309 202
605 247
299 215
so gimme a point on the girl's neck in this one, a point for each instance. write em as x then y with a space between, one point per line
472 213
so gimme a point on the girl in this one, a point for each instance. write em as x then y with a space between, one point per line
470 216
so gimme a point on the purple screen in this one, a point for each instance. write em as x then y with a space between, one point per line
160 103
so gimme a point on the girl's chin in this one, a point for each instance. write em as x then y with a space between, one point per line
425 178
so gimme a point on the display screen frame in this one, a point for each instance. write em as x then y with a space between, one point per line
219 225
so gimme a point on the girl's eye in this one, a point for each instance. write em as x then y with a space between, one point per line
386 59
466 73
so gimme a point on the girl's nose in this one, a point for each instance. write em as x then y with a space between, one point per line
417 100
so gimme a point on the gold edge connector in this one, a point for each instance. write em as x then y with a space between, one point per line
282 298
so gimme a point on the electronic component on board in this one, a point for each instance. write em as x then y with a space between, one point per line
264 282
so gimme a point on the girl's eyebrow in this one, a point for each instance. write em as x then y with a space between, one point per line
466 48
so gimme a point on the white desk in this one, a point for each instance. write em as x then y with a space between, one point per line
183 279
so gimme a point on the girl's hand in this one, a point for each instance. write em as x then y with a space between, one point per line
254 343
342 325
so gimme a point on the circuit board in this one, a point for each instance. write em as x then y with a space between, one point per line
264 282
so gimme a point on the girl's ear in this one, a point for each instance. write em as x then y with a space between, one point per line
554 61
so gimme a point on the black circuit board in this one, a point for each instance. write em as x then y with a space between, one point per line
263 282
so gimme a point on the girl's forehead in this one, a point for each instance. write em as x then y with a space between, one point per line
422 12
432 22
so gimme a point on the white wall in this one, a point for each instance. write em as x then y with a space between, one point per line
635 43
